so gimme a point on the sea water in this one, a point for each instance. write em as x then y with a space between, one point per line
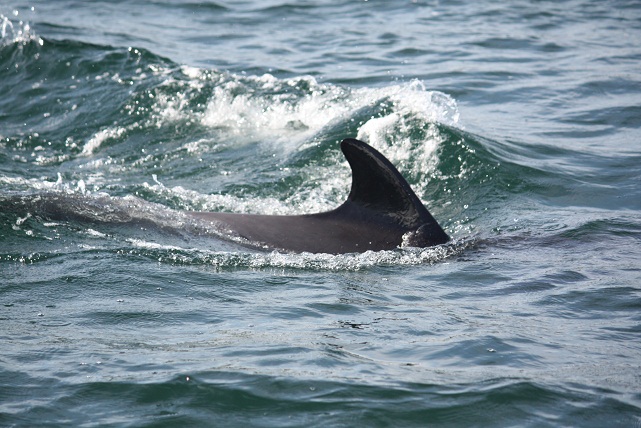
516 123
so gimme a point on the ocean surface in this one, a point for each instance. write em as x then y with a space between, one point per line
517 123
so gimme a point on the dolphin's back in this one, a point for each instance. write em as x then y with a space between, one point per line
380 213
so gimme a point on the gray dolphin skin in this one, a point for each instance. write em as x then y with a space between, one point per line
381 213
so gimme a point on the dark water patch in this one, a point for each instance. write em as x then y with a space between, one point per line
596 303
528 45
132 319
611 119
476 278
58 83
532 286
625 331
609 229
484 351
292 9
565 277
197 7
230 398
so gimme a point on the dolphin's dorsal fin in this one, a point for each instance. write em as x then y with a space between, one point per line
378 186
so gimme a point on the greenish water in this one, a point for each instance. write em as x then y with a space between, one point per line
517 124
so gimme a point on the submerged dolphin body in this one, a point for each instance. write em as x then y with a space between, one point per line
381 213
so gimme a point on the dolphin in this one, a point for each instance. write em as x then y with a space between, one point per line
380 213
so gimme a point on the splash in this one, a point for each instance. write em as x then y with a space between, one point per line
294 111
18 32
285 117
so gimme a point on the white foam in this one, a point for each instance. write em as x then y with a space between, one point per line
95 233
341 262
100 137
139 243
270 110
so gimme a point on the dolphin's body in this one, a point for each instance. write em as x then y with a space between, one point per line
381 213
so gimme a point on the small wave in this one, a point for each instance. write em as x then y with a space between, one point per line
596 230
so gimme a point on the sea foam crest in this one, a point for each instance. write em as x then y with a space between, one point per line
271 109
